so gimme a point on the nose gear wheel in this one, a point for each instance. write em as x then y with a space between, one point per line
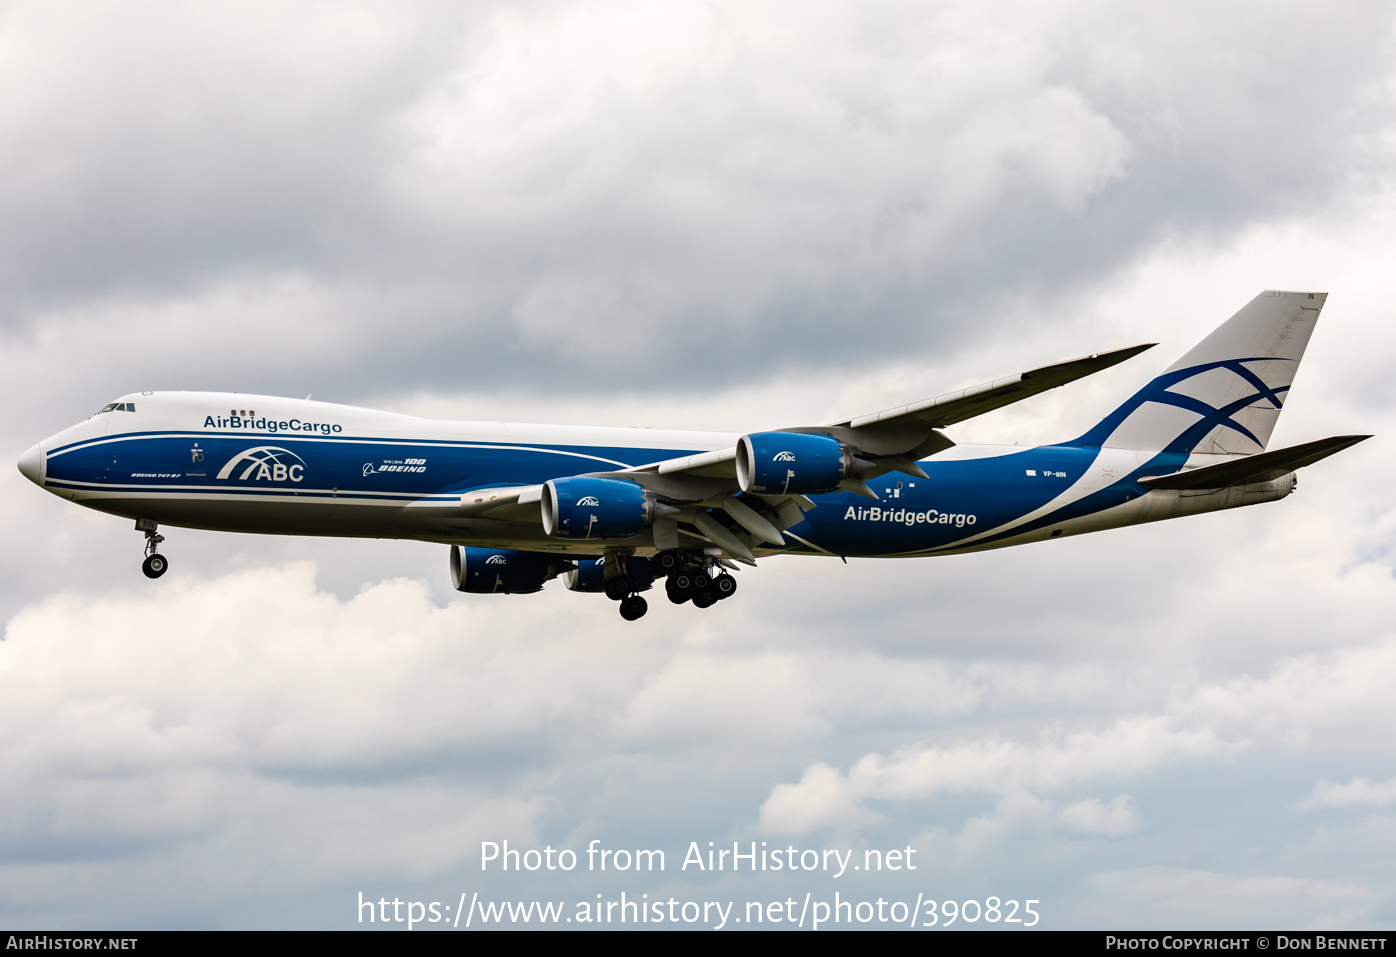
155 564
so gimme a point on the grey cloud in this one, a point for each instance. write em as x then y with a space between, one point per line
700 194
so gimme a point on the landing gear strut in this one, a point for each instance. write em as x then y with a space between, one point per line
155 564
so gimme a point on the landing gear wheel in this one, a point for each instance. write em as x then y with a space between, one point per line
676 595
725 586
667 561
619 588
702 600
154 566
681 583
700 581
634 607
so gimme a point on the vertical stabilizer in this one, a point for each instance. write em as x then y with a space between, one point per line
1226 394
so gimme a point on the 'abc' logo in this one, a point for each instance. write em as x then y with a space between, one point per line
496 560
783 457
589 500
265 463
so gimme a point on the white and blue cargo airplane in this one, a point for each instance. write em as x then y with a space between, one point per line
617 509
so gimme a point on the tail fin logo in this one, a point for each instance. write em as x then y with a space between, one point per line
1225 394
265 463
1180 408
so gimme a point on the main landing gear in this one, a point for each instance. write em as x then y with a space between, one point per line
625 587
155 564
622 589
687 577
703 584
633 608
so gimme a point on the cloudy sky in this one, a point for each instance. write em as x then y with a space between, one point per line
733 216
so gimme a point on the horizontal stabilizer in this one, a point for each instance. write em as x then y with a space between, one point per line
1262 467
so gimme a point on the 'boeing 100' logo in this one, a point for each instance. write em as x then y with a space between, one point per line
266 462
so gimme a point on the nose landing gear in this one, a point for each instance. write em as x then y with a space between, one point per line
155 564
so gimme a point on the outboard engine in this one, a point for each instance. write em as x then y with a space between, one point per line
504 571
779 463
598 508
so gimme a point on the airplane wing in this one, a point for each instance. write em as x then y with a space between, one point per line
955 407
703 484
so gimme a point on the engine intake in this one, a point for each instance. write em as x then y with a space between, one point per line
597 508
776 463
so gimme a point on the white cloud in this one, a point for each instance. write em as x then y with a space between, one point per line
1057 760
1300 699
704 697
821 798
1359 792
1115 819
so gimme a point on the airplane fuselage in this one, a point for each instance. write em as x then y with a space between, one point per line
236 462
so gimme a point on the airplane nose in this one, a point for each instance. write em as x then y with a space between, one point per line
31 465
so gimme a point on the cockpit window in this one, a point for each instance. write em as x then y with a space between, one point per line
117 407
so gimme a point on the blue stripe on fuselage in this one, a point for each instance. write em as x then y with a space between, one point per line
405 468
963 498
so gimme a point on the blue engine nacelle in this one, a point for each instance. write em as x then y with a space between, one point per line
503 571
597 508
774 463
590 574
